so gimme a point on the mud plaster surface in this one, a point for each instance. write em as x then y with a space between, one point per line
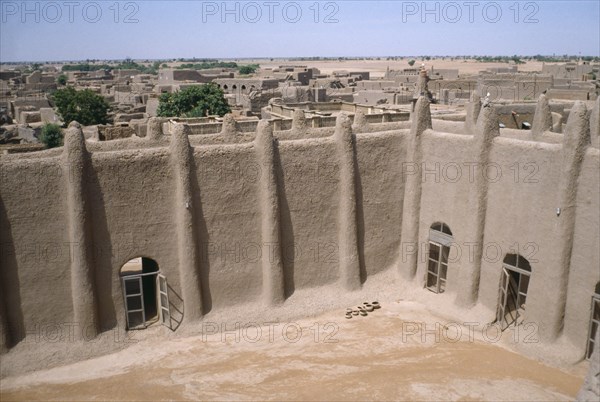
356 359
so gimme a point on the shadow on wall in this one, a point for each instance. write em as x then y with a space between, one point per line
202 239
104 272
287 230
176 308
360 214
9 284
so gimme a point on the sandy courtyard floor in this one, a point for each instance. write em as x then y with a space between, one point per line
386 355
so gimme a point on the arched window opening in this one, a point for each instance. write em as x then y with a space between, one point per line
514 282
145 293
594 322
440 240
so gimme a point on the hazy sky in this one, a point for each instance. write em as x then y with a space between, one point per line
76 30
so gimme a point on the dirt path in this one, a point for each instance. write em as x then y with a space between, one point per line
386 355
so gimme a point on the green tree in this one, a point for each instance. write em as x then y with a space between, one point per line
249 69
85 67
194 102
51 135
411 62
207 65
61 79
517 60
85 107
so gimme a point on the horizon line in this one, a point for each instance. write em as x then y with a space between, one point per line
180 59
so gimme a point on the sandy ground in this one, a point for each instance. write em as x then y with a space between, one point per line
386 355
377 67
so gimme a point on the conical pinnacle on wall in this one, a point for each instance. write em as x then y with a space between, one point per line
421 117
273 278
79 227
343 127
577 131
557 121
180 145
264 134
488 124
74 141
576 138
360 122
347 243
473 109
264 143
542 119
181 131
229 126
298 120
154 131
